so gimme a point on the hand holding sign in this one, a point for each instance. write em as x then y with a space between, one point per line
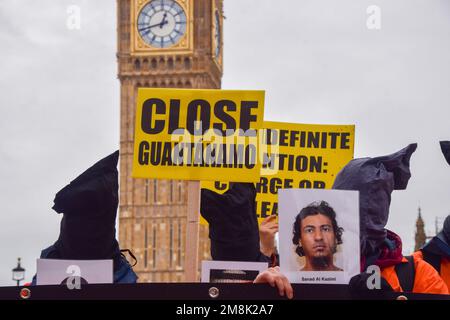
267 230
274 277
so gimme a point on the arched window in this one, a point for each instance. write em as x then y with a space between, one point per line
187 63
171 190
178 62
162 63
179 244
147 191
137 64
154 247
154 64
171 244
145 245
170 63
155 191
180 191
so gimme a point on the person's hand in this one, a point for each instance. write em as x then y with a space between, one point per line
267 230
274 277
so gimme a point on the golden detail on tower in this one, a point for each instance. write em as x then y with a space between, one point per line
161 26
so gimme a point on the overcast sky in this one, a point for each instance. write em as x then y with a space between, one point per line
316 59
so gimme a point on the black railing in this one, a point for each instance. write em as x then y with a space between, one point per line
197 291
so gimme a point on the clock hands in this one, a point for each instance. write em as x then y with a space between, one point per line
164 21
161 24
168 15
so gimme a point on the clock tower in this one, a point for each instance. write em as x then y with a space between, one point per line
162 44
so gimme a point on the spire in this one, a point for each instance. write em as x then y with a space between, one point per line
420 232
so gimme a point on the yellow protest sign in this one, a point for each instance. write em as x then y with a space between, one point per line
297 156
198 134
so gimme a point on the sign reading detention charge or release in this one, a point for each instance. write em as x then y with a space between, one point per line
198 134
304 156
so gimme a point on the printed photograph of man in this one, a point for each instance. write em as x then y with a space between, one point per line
316 236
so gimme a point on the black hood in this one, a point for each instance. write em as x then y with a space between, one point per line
445 147
444 235
233 224
440 244
375 179
89 207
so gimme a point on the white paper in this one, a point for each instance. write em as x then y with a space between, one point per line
53 271
231 271
347 256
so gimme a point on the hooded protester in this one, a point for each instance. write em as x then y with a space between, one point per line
233 224
375 179
88 226
445 147
437 251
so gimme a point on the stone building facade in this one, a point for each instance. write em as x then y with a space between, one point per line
152 213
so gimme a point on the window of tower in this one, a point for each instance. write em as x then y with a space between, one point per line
155 191
137 64
170 63
187 63
154 64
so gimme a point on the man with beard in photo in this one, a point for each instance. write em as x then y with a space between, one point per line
317 235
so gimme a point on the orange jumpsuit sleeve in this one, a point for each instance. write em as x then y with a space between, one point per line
445 267
427 279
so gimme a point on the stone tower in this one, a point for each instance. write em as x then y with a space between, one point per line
161 43
420 232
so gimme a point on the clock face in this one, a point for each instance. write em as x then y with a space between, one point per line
162 23
217 34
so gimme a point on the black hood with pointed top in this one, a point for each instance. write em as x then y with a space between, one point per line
375 179
89 207
445 147
444 235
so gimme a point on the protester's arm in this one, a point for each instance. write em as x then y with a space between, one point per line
233 224
427 279
274 277
267 230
